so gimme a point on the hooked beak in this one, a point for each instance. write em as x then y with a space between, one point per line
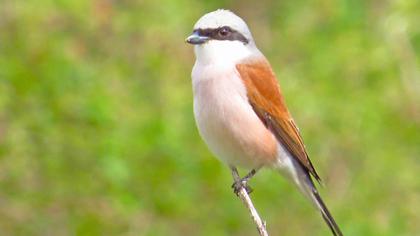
196 39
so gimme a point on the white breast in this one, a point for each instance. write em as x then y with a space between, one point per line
226 120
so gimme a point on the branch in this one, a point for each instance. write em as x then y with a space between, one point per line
243 195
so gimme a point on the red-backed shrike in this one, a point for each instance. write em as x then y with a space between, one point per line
239 109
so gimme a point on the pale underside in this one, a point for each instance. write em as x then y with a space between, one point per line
226 120
239 110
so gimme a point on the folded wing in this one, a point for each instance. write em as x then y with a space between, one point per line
267 101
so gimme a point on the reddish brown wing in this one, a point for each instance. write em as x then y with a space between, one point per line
265 97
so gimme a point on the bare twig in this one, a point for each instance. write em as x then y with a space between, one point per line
243 195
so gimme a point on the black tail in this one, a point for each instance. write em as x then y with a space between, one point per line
303 180
308 187
326 214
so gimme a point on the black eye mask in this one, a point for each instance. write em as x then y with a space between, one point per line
222 33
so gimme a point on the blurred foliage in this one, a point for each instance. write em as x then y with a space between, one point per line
97 135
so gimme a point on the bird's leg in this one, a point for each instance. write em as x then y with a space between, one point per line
242 182
249 175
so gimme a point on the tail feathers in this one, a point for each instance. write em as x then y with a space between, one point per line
294 171
326 214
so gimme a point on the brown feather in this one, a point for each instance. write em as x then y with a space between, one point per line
267 101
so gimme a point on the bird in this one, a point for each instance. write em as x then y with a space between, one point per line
240 111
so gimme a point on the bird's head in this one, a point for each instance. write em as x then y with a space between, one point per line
221 37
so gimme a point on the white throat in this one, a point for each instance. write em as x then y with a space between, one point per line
216 52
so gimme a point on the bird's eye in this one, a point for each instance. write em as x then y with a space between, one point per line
225 31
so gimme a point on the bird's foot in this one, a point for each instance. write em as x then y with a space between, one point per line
239 184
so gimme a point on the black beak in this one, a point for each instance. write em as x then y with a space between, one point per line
195 38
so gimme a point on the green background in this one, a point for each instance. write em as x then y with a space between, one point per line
97 135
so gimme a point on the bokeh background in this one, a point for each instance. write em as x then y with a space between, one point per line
97 135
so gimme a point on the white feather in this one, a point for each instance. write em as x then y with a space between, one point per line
224 117
221 18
